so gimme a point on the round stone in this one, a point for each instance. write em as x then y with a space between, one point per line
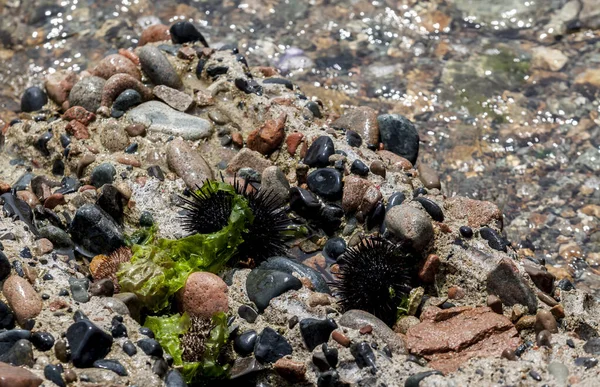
326 182
43 341
334 247
158 68
411 225
185 32
87 93
103 174
125 101
359 168
22 298
33 99
244 343
466 231
203 295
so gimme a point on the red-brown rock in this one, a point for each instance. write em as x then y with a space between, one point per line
155 33
475 213
268 137
54 200
11 376
290 370
78 113
116 64
393 162
203 295
118 83
237 139
455 335
59 84
78 130
430 267
354 191
292 141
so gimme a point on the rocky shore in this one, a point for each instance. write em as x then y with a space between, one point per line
104 285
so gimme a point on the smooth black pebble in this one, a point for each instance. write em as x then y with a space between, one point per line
359 168
319 151
244 343
33 99
327 183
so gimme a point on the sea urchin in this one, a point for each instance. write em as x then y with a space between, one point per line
374 276
207 210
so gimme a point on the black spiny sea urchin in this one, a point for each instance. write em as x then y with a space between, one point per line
265 236
374 276
206 211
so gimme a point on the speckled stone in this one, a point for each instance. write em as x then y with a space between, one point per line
22 298
158 68
176 99
188 163
87 93
428 176
203 295
118 83
410 224
116 64
274 179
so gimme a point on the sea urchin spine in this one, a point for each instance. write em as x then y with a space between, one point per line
374 276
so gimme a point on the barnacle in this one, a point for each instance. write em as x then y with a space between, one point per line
375 276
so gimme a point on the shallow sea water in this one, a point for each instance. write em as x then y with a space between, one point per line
502 116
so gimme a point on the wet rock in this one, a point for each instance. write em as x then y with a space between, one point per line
431 207
319 151
359 168
43 341
495 240
291 267
176 99
363 354
247 313
271 346
353 139
274 180
187 163
334 247
428 176
150 347
95 230
57 236
378 168
326 182
264 285
161 118
185 32
410 224
543 279
125 101
399 136
544 320
356 319
247 158
129 348
546 58
19 354
354 190
103 174
248 86
87 93
158 68
116 64
304 202
203 295
7 318
543 339
174 379
315 332
88 343
4 266
450 337
33 99
17 377
79 289
244 343
506 282
53 374
112 365
268 137
112 201
22 298
59 84
119 83
362 120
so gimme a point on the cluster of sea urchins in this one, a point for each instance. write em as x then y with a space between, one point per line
207 212
375 276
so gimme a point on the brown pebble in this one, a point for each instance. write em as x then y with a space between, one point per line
128 160
378 168
509 354
430 267
84 161
203 295
155 33
543 339
237 139
188 163
429 177
546 299
318 299
59 84
78 113
558 311
116 64
54 200
134 130
525 323
29 198
70 376
130 55
43 246
12 376
495 303
456 293
22 298
290 370
186 53
544 320
78 130
31 273
292 141
267 71
340 338
4 187
268 137
118 83
366 329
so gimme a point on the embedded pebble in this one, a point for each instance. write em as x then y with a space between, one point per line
203 295
158 117
87 93
319 151
116 64
315 332
271 346
125 101
53 374
79 289
274 180
176 99
112 365
188 163
244 342
22 298
158 68
264 285
33 99
399 135
410 224
88 343
95 230
326 182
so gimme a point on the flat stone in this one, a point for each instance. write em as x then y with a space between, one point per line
473 332
356 319
158 117
264 285
11 376
506 282
362 120
188 163
247 158
176 99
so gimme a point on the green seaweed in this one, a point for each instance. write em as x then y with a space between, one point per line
168 331
159 268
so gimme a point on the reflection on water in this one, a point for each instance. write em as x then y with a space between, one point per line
504 93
